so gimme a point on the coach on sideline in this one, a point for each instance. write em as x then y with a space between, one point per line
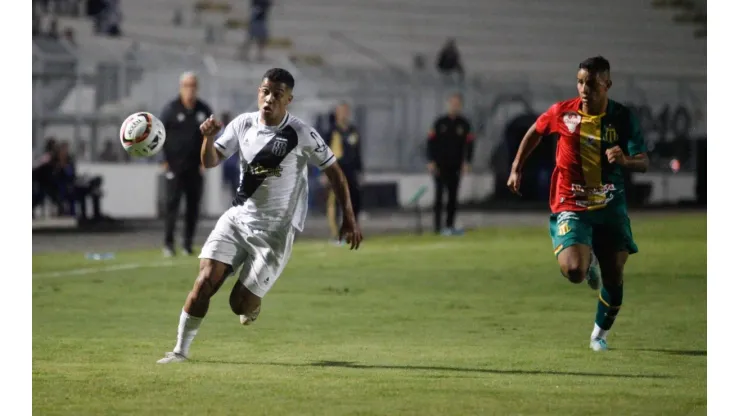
449 153
182 118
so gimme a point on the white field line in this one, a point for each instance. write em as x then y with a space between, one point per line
300 248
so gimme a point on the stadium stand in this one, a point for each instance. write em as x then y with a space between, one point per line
518 56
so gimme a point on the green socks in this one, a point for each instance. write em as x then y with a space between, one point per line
610 300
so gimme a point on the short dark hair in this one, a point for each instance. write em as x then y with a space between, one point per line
280 75
595 65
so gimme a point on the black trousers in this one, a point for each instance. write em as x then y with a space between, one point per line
89 190
447 180
189 184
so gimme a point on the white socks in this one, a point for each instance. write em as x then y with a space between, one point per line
599 333
186 332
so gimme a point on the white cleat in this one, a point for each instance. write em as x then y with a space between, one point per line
249 318
594 273
598 344
172 357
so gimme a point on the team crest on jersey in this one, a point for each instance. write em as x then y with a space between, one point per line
280 147
571 120
610 134
180 117
460 130
200 116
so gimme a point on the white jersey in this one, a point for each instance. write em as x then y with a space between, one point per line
273 189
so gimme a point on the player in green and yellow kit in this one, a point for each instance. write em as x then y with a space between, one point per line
599 139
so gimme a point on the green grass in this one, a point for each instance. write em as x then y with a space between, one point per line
482 324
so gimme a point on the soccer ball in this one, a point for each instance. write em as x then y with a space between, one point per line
142 134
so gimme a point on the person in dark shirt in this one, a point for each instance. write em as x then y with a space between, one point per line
77 189
449 153
345 142
257 30
182 118
449 61
44 175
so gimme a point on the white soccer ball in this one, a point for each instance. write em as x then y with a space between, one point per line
142 134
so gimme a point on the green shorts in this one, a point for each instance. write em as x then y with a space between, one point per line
604 229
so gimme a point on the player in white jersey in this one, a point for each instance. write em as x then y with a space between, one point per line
257 231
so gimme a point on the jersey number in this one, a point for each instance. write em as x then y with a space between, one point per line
320 144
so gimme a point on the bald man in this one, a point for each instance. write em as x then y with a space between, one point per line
182 118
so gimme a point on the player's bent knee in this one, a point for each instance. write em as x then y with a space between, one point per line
574 273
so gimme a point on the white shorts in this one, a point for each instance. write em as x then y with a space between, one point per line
263 254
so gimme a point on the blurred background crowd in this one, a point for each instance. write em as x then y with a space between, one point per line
389 66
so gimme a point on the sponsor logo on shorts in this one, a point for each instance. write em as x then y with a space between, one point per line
563 228
566 216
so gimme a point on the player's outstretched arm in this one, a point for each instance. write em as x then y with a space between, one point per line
531 139
209 156
350 231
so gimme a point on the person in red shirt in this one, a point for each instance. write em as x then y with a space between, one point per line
598 141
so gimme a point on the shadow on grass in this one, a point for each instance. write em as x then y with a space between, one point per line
688 353
352 365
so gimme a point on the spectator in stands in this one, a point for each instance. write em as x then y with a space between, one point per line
36 23
76 189
95 11
69 36
449 61
45 170
257 30
112 17
53 31
111 152
41 5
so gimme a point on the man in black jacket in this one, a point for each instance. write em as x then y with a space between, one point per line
182 118
346 143
449 153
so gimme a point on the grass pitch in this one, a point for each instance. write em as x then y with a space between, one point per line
481 324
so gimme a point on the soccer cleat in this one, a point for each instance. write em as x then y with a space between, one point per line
168 252
187 250
249 318
447 232
598 344
172 357
594 273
